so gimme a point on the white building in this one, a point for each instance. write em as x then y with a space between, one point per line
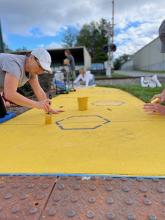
147 58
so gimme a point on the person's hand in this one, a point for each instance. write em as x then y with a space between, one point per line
154 109
55 111
44 104
160 96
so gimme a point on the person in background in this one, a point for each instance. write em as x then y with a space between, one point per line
157 107
67 72
71 64
86 77
16 70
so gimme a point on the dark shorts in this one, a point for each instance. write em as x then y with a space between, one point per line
3 111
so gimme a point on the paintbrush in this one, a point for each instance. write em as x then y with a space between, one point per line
48 115
156 100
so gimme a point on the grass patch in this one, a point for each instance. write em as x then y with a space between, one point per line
144 94
119 75
113 74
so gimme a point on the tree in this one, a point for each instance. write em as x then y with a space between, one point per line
69 39
93 37
23 48
3 46
1 40
117 64
6 48
121 60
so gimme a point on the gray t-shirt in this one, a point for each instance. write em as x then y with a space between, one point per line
71 62
13 64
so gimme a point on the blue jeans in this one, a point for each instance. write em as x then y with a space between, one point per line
91 82
59 84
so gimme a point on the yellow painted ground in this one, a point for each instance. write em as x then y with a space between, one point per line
113 137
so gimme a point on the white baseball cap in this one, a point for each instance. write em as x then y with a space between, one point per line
43 57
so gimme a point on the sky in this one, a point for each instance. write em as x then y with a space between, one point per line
33 24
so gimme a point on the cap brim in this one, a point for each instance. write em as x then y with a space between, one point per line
46 68
162 47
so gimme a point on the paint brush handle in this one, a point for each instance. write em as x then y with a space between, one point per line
156 100
50 97
48 115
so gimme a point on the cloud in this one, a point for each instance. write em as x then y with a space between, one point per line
50 15
53 45
148 17
46 18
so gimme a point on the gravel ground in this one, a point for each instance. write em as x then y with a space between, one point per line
18 110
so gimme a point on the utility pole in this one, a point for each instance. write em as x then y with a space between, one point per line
1 40
110 35
113 16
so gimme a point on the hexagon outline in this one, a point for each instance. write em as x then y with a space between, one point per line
95 127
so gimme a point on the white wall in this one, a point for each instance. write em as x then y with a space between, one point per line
127 65
149 57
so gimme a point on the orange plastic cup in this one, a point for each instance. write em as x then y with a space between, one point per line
82 103
48 118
